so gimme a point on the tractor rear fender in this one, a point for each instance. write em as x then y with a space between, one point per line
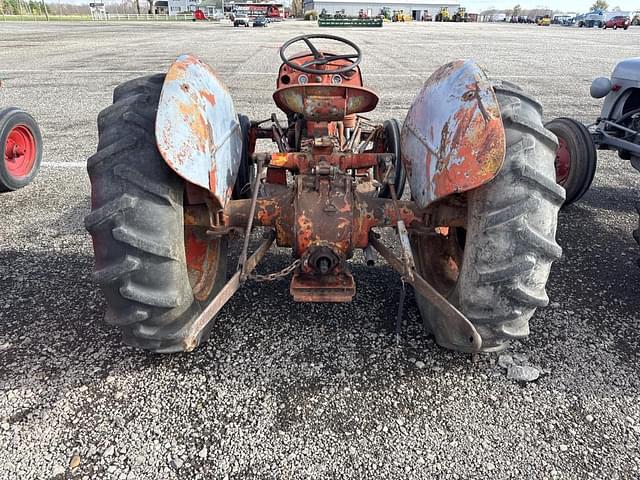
197 128
452 139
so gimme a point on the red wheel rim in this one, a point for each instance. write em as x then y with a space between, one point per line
20 150
563 161
202 255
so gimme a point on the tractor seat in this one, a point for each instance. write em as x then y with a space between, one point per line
321 102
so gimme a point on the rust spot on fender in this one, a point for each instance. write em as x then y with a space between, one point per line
176 72
209 97
213 177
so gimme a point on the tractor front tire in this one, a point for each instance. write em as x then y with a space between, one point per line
20 149
246 174
576 157
144 257
495 270
391 130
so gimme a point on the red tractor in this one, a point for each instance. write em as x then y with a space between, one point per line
20 149
177 175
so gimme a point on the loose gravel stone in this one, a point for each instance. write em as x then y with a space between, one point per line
523 373
57 471
203 453
505 361
74 462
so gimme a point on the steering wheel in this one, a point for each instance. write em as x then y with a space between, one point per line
320 58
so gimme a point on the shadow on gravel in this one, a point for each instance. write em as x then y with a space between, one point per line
52 333
613 199
51 317
598 275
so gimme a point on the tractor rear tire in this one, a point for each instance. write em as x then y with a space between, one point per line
495 271
20 149
576 157
635 163
636 232
144 257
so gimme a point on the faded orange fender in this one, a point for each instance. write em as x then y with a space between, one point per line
197 128
452 138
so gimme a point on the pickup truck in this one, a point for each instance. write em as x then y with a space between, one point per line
241 21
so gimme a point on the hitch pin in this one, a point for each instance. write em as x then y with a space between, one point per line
369 256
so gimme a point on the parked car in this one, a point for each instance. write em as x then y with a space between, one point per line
260 22
241 21
619 21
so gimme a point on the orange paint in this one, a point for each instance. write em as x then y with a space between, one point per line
279 160
477 147
176 72
304 233
268 213
213 179
481 154
209 97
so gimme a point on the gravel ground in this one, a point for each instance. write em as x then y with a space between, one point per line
286 390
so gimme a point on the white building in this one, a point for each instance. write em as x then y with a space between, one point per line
415 8
181 6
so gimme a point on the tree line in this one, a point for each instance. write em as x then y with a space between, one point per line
36 7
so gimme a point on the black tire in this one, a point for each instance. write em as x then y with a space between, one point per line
11 119
242 187
582 153
137 226
392 145
636 232
635 163
495 271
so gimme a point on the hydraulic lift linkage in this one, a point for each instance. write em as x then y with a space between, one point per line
457 325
